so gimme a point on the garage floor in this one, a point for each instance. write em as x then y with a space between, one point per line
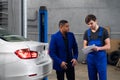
81 73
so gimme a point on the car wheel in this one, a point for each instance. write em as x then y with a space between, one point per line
113 57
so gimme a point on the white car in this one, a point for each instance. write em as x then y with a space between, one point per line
21 59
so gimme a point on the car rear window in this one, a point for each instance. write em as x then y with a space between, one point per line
13 38
7 36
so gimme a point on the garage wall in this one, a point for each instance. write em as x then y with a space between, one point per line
107 12
75 11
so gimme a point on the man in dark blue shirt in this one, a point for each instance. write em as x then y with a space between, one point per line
64 51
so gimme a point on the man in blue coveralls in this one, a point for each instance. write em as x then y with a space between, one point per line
97 59
64 51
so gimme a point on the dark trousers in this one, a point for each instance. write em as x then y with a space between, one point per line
70 74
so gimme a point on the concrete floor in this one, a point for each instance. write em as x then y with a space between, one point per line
81 73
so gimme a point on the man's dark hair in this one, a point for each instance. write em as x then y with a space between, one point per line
89 18
62 22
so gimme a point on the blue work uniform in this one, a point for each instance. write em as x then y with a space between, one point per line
97 60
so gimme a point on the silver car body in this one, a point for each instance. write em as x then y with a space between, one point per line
14 68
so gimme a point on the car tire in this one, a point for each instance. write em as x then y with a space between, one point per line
113 57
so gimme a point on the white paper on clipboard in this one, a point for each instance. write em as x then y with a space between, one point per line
88 49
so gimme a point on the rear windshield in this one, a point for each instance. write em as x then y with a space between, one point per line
5 35
13 38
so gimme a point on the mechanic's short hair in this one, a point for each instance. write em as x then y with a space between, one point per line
89 18
62 22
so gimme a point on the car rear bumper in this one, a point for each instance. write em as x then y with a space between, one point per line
26 70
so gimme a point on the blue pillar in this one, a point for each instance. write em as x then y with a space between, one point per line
45 78
43 26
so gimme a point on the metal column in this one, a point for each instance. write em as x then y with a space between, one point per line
43 26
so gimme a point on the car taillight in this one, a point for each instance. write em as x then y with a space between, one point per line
26 54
